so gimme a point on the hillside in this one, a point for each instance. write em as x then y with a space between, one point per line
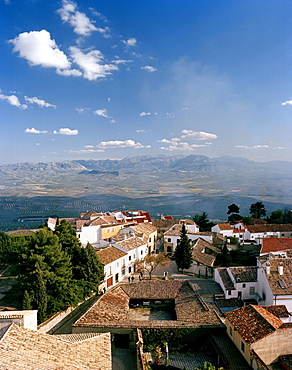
166 184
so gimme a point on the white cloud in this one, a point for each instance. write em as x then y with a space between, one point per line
65 131
174 141
252 147
35 131
122 61
81 110
130 42
79 21
38 48
198 135
149 69
101 112
141 131
69 72
169 115
13 100
91 63
184 146
81 151
121 144
288 102
41 103
144 114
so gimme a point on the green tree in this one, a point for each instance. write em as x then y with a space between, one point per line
150 262
276 217
5 246
42 255
287 216
183 251
257 210
40 297
233 208
223 259
27 301
203 222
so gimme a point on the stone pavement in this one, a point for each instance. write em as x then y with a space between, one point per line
124 359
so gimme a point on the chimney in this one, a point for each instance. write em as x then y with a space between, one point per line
280 268
268 268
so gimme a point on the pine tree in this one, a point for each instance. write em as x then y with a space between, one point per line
183 251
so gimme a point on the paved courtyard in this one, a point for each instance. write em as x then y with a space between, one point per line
147 313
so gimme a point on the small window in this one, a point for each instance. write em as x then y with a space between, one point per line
141 253
243 285
169 240
130 257
229 292
242 347
252 290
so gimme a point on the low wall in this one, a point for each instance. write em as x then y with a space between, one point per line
54 320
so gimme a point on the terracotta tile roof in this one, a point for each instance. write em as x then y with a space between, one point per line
253 322
269 228
145 228
204 252
131 243
244 274
276 245
225 226
112 309
175 230
279 311
30 350
274 277
110 254
226 279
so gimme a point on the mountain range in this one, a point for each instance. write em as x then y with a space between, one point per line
161 184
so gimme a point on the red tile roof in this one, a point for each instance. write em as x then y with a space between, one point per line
253 322
276 245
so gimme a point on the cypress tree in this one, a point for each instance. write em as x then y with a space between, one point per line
27 301
40 296
183 251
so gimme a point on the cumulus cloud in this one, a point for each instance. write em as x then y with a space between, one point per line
142 114
79 21
197 135
35 131
13 100
122 144
65 131
130 42
38 48
91 63
102 113
149 68
288 102
41 103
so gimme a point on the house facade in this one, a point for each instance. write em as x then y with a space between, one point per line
260 334
238 282
275 280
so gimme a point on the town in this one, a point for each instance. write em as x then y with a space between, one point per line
168 294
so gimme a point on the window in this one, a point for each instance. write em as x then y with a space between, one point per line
252 290
130 257
242 346
169 240
117 278
141 253
243 285
229 292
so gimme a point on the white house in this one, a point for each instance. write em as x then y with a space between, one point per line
135 248
275 280
115 263
237 282
172 236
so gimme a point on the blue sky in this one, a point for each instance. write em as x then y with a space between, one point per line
114 78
